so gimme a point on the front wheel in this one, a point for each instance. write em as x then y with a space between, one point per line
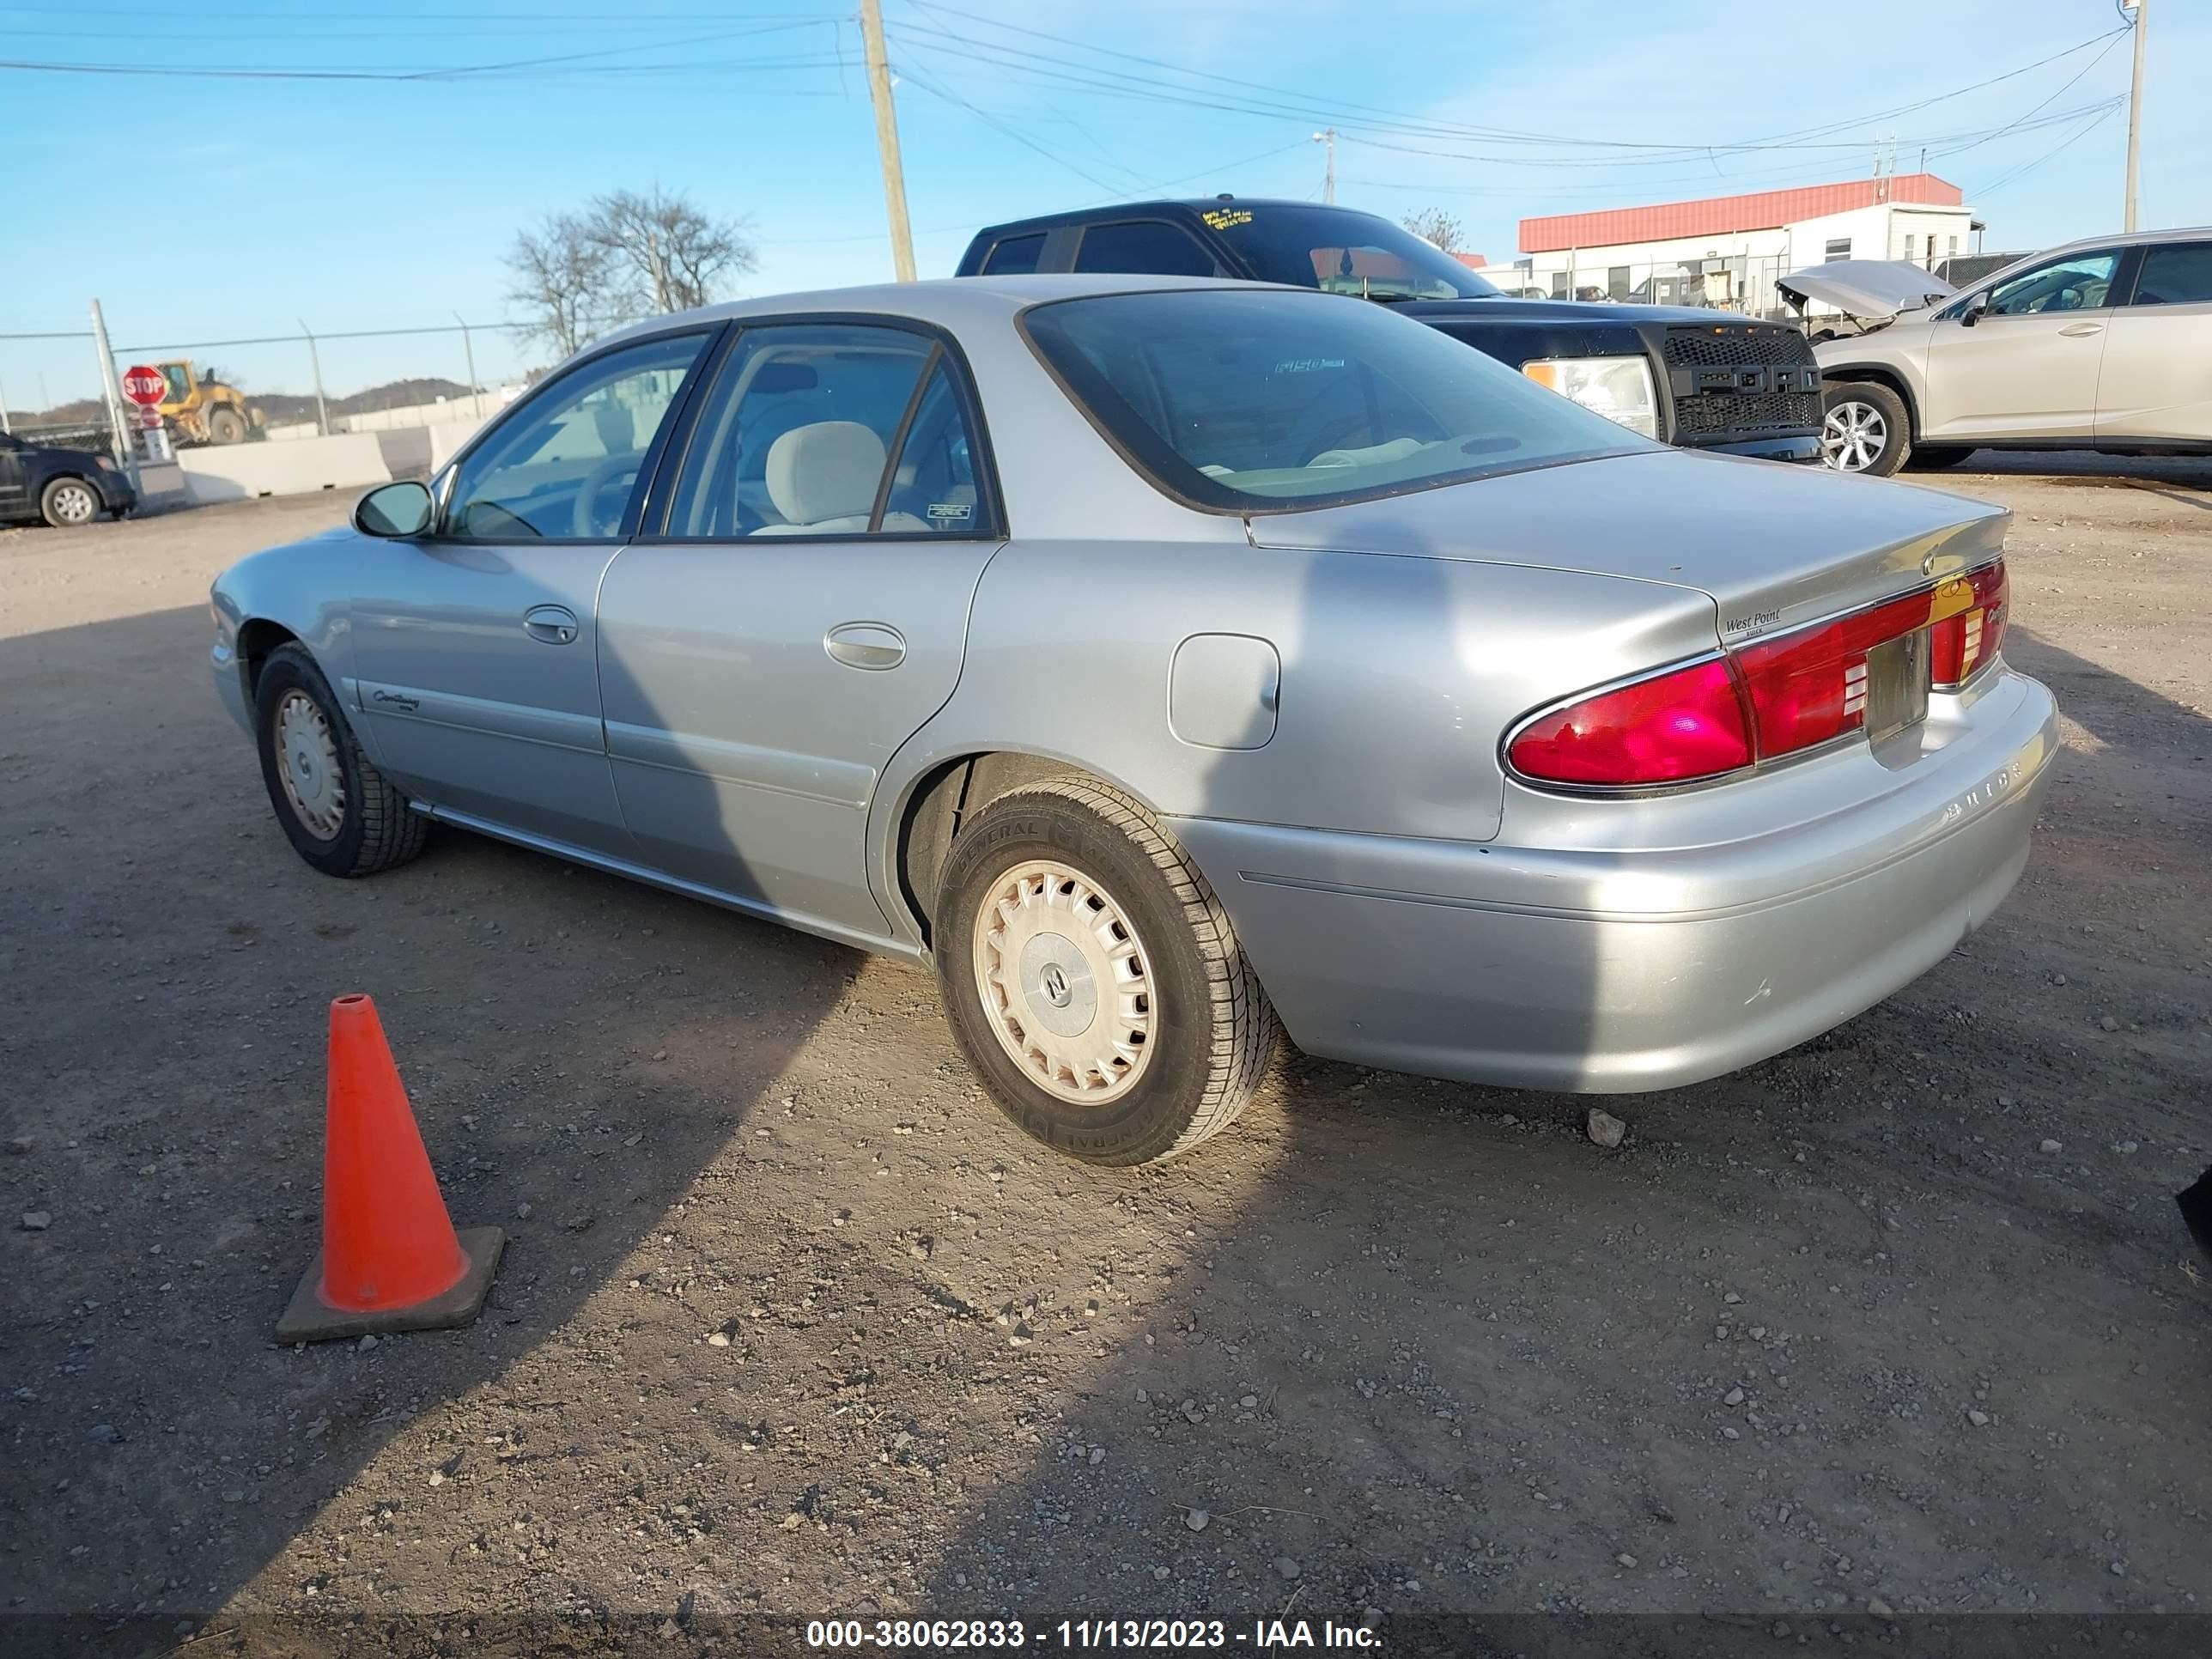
226 426
341 814
67 502
1865 429
1092 979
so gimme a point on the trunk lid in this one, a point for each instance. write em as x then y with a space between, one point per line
1772 545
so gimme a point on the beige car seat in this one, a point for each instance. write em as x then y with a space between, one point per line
822 479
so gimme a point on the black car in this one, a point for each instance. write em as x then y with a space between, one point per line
62 486
1702 379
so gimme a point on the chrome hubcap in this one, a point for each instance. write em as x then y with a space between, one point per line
1853 437
307 762
1064 981
74 503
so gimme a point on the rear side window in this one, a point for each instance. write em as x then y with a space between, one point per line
794 434
1251 401
1143 246
1016 256
2179 274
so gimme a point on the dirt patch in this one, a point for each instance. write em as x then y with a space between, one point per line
1903 1317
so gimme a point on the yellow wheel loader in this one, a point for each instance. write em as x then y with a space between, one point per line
202 410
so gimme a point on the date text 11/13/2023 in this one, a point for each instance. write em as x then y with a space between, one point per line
940 1635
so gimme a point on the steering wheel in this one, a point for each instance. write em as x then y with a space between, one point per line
583 517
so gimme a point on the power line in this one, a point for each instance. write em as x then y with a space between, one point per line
1057 70
322 72
2063 144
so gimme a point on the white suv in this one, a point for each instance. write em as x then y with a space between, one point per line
2103 344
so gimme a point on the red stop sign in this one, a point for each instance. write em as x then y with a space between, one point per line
145 385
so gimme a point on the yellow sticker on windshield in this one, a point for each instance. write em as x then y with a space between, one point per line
1223 218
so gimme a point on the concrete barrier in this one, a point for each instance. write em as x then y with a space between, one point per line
448 436
230 472
406 451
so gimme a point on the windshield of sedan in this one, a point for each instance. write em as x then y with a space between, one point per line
1342 251
1246 400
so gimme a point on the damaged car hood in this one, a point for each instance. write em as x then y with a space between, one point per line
1870 289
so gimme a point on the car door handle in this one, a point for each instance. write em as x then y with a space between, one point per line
553 624
864 645
2076 330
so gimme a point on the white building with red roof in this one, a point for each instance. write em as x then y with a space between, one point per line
1728 250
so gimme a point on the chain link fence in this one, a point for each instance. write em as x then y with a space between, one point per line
1743 284
54 387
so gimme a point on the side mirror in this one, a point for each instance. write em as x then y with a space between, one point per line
392 510
1975 308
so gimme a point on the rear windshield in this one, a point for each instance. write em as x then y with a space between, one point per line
1343 252
1246 400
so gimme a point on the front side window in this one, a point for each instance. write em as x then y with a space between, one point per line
1143 245
2082 281
1342 251
1250 402
2176 274
568 464
796 438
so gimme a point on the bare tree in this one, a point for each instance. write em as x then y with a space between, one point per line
565 281
1435 225
670 256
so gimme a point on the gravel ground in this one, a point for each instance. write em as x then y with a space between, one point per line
1901 1322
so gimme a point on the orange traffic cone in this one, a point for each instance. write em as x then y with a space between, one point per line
391 1260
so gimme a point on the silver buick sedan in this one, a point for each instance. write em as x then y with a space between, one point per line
1172 664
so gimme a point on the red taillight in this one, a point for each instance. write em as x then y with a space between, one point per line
1668 729
1963 643
1765 700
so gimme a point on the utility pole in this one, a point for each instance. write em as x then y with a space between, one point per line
1328 178
879 93
469 350
126 451
315 362
2135 114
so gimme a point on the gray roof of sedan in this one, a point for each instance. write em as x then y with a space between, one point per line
939 300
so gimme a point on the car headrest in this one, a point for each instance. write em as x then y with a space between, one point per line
830 470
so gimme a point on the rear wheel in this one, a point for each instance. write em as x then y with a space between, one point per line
1865 429
1092 979
341 814
226 425
69 501
1935 455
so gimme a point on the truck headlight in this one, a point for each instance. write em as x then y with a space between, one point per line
1618 388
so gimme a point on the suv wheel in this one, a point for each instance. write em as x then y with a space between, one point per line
68 501
1865 430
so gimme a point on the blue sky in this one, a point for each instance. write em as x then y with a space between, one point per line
250 203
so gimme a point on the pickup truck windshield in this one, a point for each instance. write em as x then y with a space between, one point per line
1252 401
1343 252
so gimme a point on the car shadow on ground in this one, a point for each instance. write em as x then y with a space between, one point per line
1717 1377
580 1084
2185 480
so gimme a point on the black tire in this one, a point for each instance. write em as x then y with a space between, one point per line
1213 1030
1932 456
1864 428
369 828
71 503
226 425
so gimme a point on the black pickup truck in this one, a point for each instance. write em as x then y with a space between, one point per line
1705 380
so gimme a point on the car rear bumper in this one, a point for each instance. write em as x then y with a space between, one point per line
1614 970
